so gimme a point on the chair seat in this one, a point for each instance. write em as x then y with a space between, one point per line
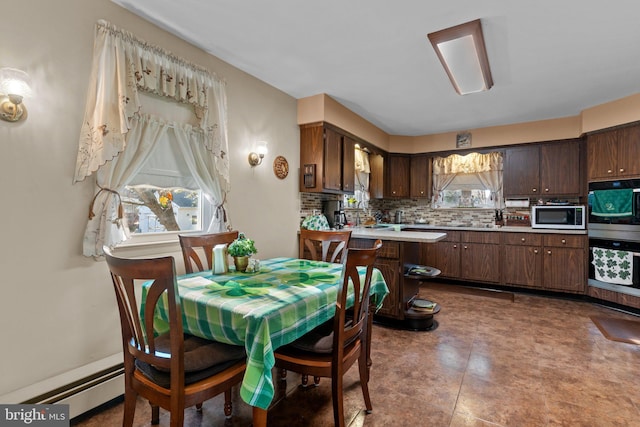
202 358
319 340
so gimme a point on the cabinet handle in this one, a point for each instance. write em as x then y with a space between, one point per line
534 190
609 171
549 252
466 247
422 192
455 246
621 169
535 251
564 242
546 190
523 239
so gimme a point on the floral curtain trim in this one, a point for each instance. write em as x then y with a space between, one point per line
124 65
471 163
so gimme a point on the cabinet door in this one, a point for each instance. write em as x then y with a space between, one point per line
390 269
564 269
522 266
602 155
420 176
480 262
560 169
348 164
376 179
446 258
398 175
332 160
521 171
629 151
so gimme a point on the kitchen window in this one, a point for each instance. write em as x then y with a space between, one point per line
473 181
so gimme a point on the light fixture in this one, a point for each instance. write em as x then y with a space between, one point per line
255 157
463 55
14 86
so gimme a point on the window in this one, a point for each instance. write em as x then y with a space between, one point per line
473 181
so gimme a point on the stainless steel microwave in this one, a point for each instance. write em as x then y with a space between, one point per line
558 217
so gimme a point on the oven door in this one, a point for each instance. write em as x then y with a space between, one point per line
624 224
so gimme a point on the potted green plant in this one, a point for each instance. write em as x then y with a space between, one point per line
241 249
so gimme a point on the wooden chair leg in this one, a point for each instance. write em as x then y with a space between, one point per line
283 382
338 402
228 407
316 381
304 380
155 414
199 407
363 368
130 408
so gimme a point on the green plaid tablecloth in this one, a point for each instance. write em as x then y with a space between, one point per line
287 298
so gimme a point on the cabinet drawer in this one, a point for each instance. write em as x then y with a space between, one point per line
564 240
452 236
522 239
488 237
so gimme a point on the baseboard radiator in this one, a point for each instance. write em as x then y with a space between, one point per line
82 389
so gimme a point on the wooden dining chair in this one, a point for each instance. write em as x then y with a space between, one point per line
333 347
192 245
172 370
320 245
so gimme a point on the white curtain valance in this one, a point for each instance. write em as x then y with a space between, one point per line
471 163
124 65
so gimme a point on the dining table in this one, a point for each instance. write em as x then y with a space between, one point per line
262 310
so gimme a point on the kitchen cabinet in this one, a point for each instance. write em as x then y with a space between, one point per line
398 176
480 256
614 154
376 178
466 255
326 159
564 263
522 260
543 170
390 263
554 262
420 181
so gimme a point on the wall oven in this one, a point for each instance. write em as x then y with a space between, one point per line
614 235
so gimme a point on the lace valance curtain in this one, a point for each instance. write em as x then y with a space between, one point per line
122 67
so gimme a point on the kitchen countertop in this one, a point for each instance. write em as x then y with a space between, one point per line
387 232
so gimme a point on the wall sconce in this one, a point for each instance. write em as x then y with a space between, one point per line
255 157
463 55
14 85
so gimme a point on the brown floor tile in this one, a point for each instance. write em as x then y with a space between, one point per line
491 362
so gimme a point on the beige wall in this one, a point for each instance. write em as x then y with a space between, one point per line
57 308
324 108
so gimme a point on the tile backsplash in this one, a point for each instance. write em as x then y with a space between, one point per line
413 210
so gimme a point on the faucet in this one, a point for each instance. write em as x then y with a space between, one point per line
357 218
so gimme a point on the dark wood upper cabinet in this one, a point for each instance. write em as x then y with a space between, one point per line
376 179
521 175
420 176
326 159
543 170
398 175
614 154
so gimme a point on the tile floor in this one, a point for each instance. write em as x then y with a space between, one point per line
533 361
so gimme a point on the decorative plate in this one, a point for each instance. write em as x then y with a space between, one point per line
281 167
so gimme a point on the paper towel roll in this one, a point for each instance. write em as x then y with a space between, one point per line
220 262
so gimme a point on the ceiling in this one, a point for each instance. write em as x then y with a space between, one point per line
548 58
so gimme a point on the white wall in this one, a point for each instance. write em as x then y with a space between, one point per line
57 308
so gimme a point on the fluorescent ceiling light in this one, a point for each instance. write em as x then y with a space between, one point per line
463 55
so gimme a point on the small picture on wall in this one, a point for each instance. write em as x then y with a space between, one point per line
463 139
